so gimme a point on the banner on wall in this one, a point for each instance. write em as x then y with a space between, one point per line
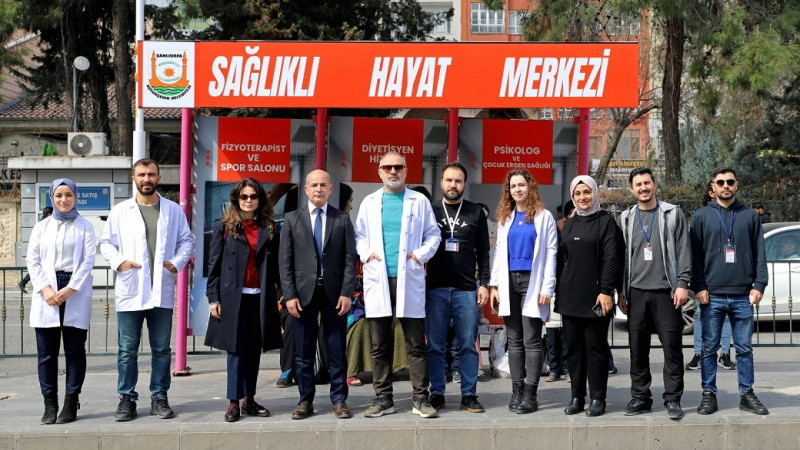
517 144
373 138
256 148
387 75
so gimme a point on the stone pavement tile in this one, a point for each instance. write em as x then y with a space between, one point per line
536 434
234 436
55 438
764 433
693 431
139 438
454 435
399 436
309 435
589 432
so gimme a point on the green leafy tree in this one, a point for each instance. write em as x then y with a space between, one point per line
587 20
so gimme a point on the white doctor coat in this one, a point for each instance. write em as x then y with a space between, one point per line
419 235
124 239
543 268
41 262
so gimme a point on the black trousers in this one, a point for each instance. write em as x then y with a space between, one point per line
243 364
654 311
587 355
48 342
381 335
320 319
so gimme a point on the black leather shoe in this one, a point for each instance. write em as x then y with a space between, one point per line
50 409
233 413
303 411
574 407
708 405
251 408
596 408
159 407
637 406
69 413
674 410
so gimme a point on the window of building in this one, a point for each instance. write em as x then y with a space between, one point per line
484 20
566 113
628 25
443 27
515 19
596 113
628 147
546 114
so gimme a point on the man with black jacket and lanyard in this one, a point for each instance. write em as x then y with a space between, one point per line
729 274
451 287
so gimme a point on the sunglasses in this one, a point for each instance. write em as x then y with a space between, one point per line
397 168
246 197
721 183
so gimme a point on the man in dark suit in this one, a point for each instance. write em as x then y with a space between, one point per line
318 277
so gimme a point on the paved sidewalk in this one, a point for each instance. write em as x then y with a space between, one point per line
199 402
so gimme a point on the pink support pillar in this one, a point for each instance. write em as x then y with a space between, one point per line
322 139
584 126
452 135
181 327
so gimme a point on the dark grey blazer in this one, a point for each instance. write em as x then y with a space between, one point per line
298 256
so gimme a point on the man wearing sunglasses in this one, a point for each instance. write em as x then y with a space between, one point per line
396 234
729 274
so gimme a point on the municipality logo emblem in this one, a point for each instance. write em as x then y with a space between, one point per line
168 75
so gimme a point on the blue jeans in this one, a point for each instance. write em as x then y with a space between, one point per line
738 309
725 341
441 306
159 326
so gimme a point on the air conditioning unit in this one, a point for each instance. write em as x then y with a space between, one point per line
87 144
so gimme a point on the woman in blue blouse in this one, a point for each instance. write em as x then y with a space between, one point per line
522 281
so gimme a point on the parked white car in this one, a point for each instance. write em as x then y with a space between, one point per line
782 241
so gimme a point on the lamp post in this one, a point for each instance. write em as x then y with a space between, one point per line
79 63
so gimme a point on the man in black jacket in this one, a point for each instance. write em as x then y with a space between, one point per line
318 277
729 274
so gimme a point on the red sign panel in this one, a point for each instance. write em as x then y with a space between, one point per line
372 138
512 144
257 148
388 75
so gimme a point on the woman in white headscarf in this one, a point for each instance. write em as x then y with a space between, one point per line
589 269
60 259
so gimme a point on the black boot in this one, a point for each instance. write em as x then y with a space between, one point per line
70 410
529 402
516 395
50 409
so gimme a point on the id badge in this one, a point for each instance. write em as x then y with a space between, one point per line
730 254
451 245
648 253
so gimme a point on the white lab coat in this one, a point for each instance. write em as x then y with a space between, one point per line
124 239
41 261
419 235
543 268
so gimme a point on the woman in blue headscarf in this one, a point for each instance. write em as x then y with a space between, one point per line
60 259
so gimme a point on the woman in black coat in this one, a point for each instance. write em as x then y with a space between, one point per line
243 280
588 250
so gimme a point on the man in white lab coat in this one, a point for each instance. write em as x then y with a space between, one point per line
146 241
396 234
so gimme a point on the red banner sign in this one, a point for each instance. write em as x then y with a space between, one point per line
388 75
372 138
512 144
257 148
